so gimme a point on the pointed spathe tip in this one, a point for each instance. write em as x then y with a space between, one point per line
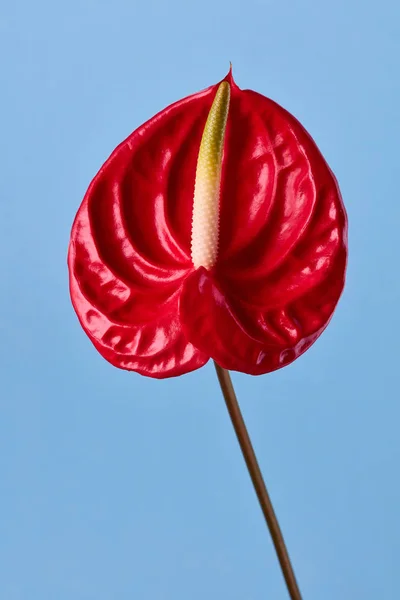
229 76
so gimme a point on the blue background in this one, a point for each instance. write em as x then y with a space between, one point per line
118 486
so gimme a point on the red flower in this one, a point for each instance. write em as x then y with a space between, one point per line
252 283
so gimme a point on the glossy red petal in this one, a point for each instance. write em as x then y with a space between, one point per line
283 244
283 223
156 348
282 252
130 244
246 340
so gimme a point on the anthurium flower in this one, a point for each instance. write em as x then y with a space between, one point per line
215 230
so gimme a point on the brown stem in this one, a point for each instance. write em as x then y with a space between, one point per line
258 482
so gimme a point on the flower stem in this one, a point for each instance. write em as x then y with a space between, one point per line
258 482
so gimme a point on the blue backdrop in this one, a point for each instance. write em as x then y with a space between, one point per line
117 486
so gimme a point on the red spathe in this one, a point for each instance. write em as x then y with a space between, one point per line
282 244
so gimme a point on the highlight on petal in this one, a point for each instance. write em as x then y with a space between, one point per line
215 230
